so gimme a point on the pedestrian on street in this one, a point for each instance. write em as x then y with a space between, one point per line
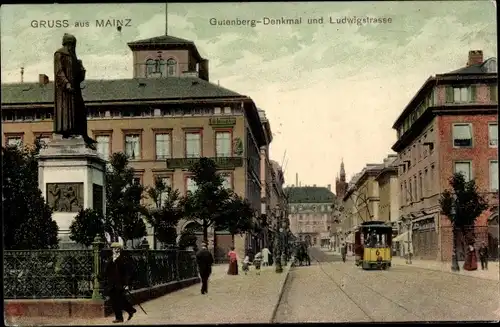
119 273
257 262
483 256
246 264
470 258
250 254
265 256
343 251
233 262
205 260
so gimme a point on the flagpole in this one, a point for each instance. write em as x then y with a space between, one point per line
166 18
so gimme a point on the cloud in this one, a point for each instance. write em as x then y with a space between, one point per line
329 90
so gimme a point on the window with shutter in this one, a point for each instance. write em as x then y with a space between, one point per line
193 145
103 146
449 94
162 146
462 94
462 135
133 146
473 93
464 167
494 175
493 93
493 135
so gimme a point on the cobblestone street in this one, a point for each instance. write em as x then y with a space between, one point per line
341 292
225 303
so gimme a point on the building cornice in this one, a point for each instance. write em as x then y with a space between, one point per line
119 102
448 109
372 172
386 171
441 79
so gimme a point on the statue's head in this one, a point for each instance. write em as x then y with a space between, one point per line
69 41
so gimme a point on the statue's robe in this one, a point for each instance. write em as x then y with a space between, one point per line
70 114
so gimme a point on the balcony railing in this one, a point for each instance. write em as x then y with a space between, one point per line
221 162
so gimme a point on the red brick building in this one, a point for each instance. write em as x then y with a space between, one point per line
449 126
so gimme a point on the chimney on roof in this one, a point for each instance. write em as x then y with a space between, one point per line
203 69
329 187
22 74
475 57
43 79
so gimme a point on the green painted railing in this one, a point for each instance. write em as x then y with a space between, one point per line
39 274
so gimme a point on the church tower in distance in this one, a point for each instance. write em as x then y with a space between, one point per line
340 183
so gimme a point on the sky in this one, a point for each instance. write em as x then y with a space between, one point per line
330 91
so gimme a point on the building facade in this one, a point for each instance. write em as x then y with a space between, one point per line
387 179
371 194
164 118
310 213
449 126
266 181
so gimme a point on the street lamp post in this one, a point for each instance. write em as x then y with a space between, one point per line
277 248
454 213
407 222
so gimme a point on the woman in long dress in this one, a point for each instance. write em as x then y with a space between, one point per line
233 262
470 259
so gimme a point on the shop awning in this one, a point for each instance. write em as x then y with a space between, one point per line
401 237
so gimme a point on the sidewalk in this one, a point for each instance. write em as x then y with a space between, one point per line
231 299
492 273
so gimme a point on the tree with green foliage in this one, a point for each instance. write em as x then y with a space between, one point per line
28 222
463 204
188 239
236 215
206 204
87 224
123 201
165 212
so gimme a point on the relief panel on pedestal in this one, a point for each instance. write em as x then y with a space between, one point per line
65 197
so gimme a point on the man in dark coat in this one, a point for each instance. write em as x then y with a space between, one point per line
119 273
205 261
70 114
483 256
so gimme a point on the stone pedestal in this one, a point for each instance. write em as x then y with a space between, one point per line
71 177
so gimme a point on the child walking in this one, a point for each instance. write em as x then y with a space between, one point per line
246 263
257 262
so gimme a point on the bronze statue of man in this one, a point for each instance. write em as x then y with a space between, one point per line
70 114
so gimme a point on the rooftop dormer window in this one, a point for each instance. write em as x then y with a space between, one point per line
156 67
461 94
171 67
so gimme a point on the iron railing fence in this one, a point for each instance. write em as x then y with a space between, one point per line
48 274
38 274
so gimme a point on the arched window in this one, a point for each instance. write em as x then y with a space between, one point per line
171 67
150 67
161 67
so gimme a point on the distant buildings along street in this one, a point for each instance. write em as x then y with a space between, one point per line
310 213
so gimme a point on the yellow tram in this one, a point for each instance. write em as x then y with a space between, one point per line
372 245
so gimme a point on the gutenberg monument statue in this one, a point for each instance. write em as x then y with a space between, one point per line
70 114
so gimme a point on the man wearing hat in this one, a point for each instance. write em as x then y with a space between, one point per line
205 260
118 273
